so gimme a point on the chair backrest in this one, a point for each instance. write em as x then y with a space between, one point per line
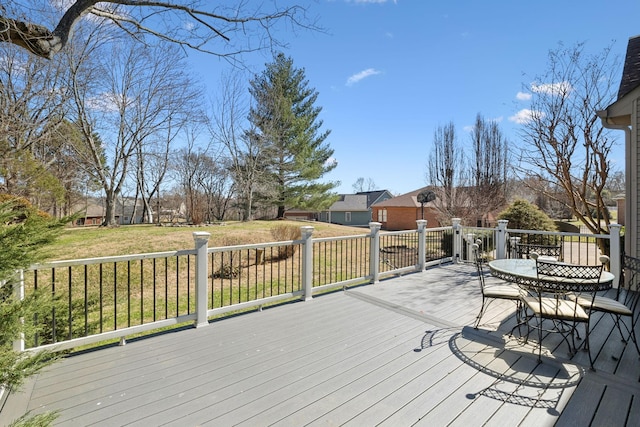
629 281
571 276
569 271
630 269
524 250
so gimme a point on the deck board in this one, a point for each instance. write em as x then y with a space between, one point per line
398 352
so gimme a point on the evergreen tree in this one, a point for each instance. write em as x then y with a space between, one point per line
23 232
287 124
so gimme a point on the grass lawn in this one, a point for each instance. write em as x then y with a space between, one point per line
75 243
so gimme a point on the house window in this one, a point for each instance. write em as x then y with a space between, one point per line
347 217
382 215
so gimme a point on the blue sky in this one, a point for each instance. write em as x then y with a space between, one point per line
390 72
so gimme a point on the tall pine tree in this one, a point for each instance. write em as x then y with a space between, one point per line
295 151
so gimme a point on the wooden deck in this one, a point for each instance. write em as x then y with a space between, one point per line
397 353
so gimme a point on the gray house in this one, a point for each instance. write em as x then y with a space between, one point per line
354 209
624 115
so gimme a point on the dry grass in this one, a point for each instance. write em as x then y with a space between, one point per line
78 243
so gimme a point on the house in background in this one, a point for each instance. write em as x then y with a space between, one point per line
401 212
90 214
129 211
624 115
301 215
354 209
93 212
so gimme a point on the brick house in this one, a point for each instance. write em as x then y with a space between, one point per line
401 212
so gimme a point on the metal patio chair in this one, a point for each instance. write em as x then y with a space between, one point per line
489 293
556 297
625 303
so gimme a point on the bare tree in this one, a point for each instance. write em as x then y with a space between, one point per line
244 151
186 164
205 182
214 181
566 150
489 168
616 183
362 185
218 28
131 99
446 173
33 104
177 109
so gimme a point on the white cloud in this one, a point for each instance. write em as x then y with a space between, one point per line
107 102
525 115
552 88
362 75
330 162
522 96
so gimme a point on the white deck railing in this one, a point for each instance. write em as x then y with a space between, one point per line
109 298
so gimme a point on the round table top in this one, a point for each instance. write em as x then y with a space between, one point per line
523 272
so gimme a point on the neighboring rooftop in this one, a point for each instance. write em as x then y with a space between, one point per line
631 72
408 199
360 201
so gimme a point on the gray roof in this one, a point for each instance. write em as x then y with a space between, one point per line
350 202
360 201
373 196
631 72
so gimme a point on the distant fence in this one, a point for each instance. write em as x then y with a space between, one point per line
106 298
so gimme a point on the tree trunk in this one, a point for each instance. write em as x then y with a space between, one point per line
110 210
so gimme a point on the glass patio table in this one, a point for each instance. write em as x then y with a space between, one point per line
546 292
523 272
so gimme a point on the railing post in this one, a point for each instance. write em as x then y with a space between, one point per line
469 241
501 239
615 253
374 251
457 239
18 344
201 239
422 243
307 261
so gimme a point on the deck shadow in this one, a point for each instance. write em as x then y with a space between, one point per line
519 378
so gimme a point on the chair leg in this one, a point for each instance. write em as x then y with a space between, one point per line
479 316
588 345
632 335
630 330
635 340
540 340
520 315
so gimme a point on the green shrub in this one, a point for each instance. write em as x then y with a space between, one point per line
523 215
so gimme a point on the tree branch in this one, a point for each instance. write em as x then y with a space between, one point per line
41 41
